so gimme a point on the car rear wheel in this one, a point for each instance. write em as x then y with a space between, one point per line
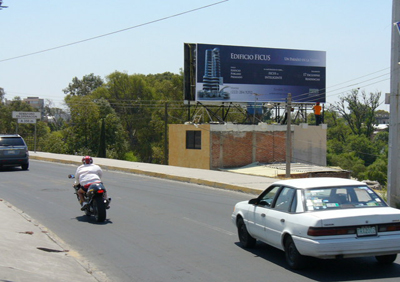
99 209
245 238
25 166
293 257
386 259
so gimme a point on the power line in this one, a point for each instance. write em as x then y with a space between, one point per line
114 32
305 96
358 77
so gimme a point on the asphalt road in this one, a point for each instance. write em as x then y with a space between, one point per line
160 230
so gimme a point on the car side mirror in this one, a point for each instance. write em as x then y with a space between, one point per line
253 202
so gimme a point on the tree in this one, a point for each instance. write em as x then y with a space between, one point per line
362 147
378 170
92 120
85 124
84 86
168 93
337 127
102 141
116 138
352 143
359 112
55 143
9 124
348 161
131 98
2 94
55 116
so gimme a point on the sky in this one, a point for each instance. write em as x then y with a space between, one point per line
147 37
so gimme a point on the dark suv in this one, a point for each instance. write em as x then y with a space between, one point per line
13 151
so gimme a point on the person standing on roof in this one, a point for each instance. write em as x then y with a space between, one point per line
85 175
317 112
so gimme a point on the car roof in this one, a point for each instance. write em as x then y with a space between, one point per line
318 182
10 135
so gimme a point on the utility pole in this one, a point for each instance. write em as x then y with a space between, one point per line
394 128
288 134
166 133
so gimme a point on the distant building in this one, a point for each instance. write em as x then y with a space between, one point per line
35 102
382 118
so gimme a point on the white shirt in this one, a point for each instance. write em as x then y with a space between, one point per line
88 173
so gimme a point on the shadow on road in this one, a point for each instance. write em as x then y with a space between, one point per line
11 169
92 220
330 269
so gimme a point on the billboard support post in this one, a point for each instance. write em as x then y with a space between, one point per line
288 134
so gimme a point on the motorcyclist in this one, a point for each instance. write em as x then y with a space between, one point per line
85 175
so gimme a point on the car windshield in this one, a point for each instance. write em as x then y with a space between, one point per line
341 198
11 141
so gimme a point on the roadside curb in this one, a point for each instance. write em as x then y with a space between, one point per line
192 180
54 160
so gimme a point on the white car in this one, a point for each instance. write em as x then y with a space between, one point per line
321 218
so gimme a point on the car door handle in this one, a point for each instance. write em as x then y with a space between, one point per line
282 220
263 215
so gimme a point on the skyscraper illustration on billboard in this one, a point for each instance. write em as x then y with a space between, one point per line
212 79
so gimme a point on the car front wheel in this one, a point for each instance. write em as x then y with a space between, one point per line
293 257
245 238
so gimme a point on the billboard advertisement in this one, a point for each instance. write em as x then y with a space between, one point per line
251 74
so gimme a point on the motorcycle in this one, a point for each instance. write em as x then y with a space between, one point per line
96 197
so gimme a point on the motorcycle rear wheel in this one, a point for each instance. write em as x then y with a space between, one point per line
99 209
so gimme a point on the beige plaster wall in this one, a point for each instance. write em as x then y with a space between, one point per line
194 158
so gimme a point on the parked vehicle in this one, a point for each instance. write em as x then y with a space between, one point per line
13 151
322 218
96 198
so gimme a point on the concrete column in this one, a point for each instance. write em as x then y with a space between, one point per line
394 129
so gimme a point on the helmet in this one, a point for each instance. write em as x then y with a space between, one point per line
87 160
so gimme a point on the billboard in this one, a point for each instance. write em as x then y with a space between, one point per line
220 73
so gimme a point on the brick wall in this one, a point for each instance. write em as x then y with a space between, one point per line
233 145
234 148
270 147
